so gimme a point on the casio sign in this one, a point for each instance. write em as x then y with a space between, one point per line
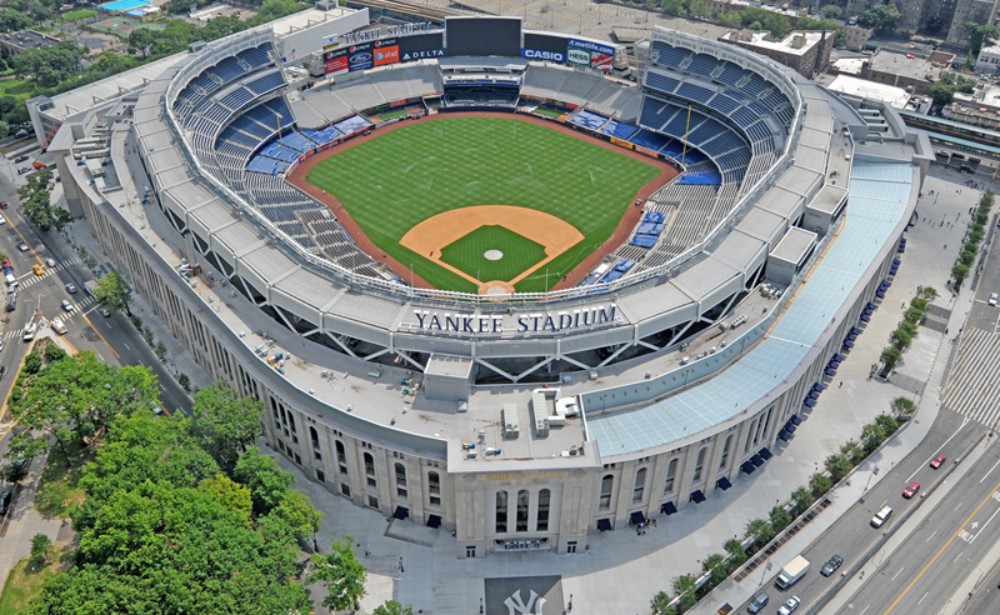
552 56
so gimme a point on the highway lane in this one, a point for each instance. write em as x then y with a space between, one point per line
851 536
944 549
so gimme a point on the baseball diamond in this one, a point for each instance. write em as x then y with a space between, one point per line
408 176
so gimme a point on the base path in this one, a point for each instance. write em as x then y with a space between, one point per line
631 216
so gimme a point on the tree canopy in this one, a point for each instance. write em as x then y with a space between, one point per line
114 293
341 573
225 424
882 18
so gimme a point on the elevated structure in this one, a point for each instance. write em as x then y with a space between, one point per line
525 421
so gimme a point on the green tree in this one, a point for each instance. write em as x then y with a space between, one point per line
838 466
981 35
41 548
760 530
890 359
882 18
265 479
225 424
674 7
802 498
114 293
901 339
229 493
12 20
903 408
831 11
300 515
820 484
872 435
780 519
853 451
341 573
685 589
660 604
47 66
392 607
737 554
715 565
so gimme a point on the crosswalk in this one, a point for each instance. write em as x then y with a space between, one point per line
29 279
84 305
973 389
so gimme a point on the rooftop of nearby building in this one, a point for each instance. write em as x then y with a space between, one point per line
796 43
905 65
27 39
861 88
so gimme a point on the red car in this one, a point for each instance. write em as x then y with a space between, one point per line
911 490
938 461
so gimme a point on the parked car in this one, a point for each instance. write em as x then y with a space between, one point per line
3 204
831 565
21 246
757 604
993 299
21 158
71 288
911 490
29 332
105 312
23 170
790 605
938 461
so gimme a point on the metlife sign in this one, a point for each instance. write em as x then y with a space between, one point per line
546 56
591 46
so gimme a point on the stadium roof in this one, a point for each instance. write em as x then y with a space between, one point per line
879 197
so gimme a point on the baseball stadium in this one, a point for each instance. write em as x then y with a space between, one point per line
500 282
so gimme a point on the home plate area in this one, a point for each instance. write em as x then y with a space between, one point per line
525 596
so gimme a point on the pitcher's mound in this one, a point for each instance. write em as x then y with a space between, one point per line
493 255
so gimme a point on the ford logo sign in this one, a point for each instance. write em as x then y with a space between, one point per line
361 58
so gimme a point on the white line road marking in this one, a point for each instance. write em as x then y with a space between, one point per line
163 388
931 536
958 557
983 526
965 420
922 598
990 471
866 609
898 573
130 348
959 506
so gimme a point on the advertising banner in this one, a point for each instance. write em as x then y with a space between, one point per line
541 54
335 61
578 57
621 143
421 46
360 57
590 53
386 52
601 61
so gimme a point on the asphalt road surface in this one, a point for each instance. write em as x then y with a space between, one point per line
948 546
851 536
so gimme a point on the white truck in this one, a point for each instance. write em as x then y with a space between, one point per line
792 572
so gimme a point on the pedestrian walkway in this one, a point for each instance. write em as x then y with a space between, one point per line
621 571
973 388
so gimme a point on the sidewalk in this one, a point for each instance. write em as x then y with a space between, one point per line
621 571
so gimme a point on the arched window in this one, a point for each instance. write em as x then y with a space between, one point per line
341 456
314 437
522 510
724 461
544 500
607 486
434 488
640 485
700 463
668 487
370 469
400 475
501 512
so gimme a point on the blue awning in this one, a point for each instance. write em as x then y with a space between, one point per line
830 371
748 467
795 419
433 521
834 364
790 427
723 483
784 436
637 518
697 497
604 525
668 508
765 453
757 461
809 403
872 306
401 513
813 395
848 344
819 386
852 336
864 318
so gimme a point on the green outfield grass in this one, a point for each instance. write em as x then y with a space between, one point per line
395 181
469 253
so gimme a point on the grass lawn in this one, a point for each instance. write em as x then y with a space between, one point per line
393 182
468 253
58 491
21 587
78 14
391 115
549 112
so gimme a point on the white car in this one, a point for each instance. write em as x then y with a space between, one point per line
789 606
993 299
29 332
